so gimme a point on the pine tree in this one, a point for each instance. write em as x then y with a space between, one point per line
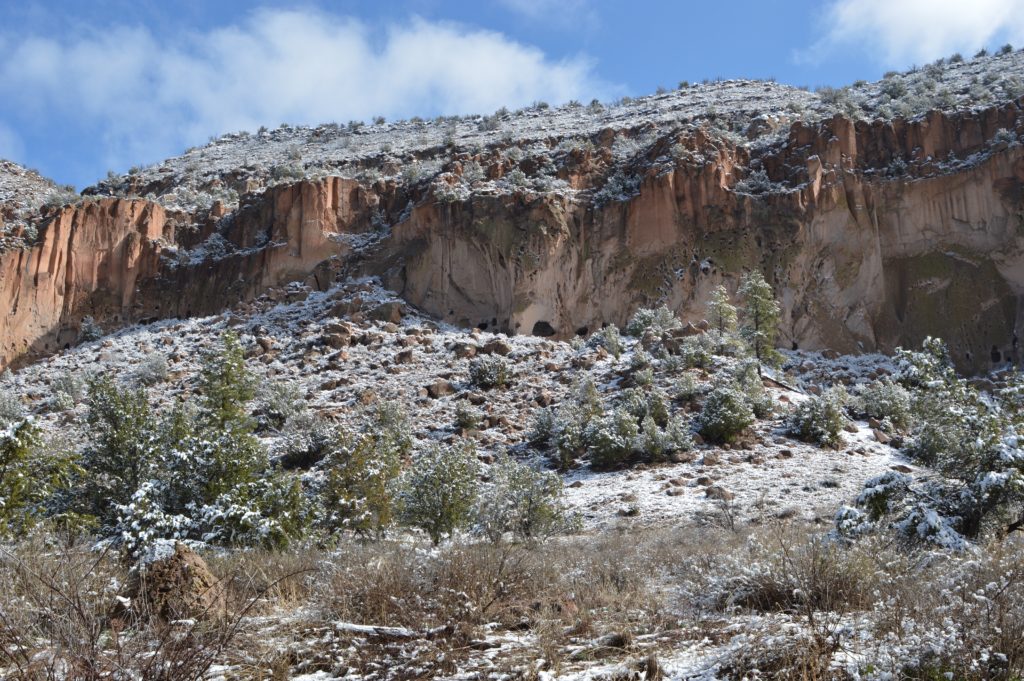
722 316
760 317
227 386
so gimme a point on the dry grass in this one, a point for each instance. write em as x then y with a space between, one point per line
780 601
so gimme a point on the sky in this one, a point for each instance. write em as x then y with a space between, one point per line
92 86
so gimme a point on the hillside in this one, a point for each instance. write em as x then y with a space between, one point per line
717 383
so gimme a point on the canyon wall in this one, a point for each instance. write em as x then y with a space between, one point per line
862 257
861 260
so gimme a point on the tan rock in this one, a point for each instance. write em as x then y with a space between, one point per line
440 388
176 586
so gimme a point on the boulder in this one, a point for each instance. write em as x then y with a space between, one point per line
387 312
496 346
440 388
719 493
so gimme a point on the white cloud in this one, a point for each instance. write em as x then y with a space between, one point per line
152 95
902 32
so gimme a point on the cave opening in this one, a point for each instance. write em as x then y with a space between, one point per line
543 328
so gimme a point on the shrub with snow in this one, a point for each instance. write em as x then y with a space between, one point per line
611 438
151 370
11 408
820 419
644 377
562 429
725 414
747 378
308 438
30 475
687 388
277 402
887 402
491 371
757 182
521 501
358 489
89 330
640 359
268 511
439 491
68 389
620 186
607 338
697 352
467 417
974 442
656 320
657 443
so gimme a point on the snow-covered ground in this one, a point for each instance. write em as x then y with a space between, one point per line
772 476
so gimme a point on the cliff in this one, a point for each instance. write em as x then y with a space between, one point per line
874 234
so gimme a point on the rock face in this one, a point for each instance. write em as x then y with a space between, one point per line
861 261
124 260
89 258
873 234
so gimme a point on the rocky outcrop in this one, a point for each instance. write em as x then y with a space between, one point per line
123 260
874 235
88 258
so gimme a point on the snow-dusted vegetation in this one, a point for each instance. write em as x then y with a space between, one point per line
398 498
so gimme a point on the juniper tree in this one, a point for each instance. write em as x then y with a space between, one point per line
974 444
361 471
29 478
233 454
123 450
522 501
227 386
760 317
440 491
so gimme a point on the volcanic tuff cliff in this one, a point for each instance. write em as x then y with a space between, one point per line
875 228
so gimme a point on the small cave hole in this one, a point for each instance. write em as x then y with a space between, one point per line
543 328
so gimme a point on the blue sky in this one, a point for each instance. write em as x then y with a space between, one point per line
107 84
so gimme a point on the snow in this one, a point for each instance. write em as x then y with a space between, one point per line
776 476
807 482
157 550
